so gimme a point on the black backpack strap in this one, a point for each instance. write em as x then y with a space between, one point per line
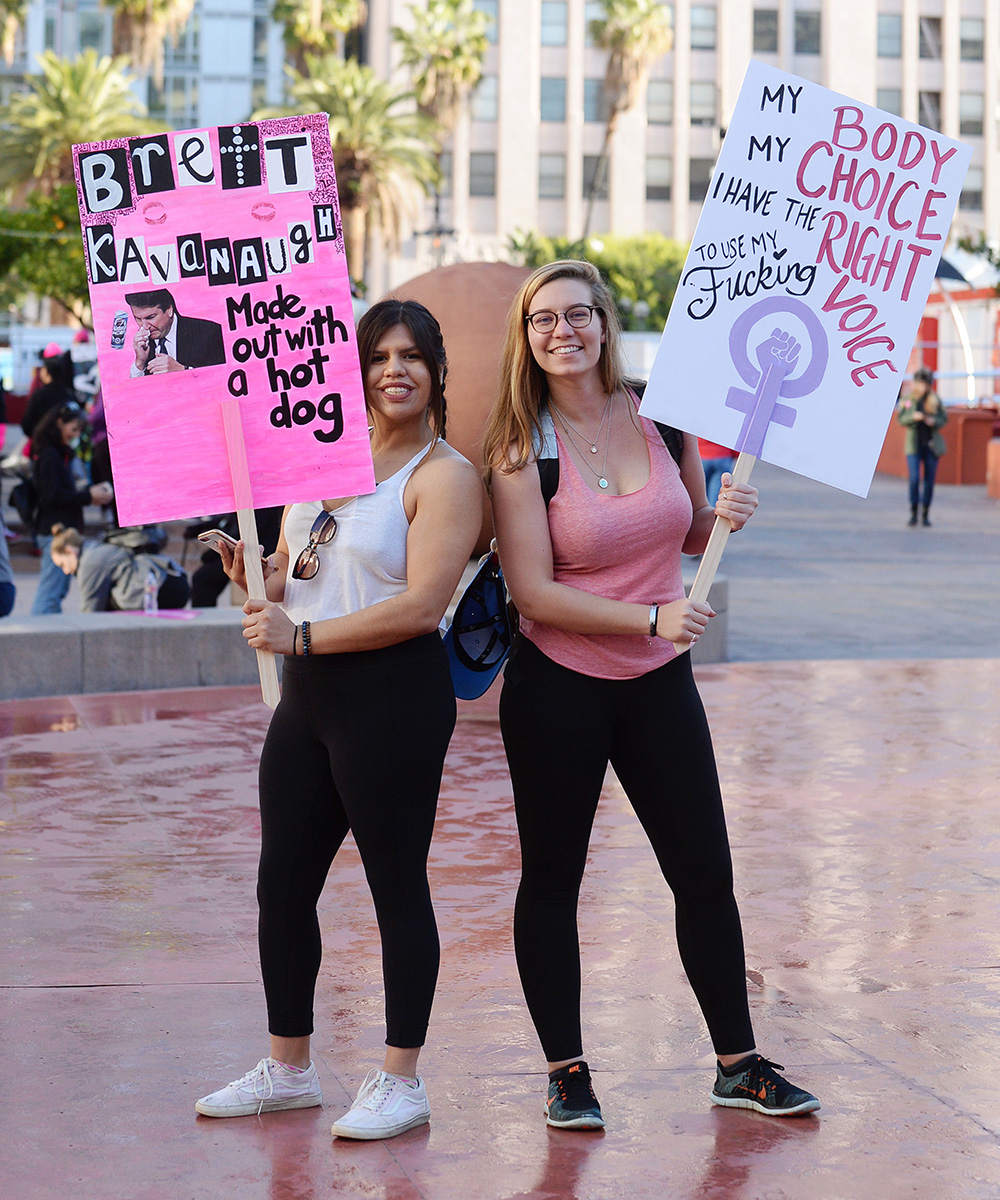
673 439
546 450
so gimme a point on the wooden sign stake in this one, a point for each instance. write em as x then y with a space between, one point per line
716 544
267 668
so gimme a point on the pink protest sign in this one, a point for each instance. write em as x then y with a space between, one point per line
795 314
217 271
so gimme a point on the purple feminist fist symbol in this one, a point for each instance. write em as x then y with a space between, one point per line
778 356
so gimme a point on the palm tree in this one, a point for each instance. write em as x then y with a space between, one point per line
86 99
12 15
382 150
444 51
140 29
317 26
635 33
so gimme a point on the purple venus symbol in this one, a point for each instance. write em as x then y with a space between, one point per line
777 356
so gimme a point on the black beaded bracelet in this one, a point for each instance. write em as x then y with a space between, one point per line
306 639
295 636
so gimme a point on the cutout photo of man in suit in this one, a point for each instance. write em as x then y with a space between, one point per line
168 341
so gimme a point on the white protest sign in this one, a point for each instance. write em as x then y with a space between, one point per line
806 279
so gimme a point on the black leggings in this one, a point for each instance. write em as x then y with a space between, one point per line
560 730
357 743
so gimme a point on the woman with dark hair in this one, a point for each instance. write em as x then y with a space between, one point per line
55 375
357 590
592 557
61 496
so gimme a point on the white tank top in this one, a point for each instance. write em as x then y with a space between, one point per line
366 561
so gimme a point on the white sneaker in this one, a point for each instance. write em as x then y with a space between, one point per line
269 1087
385 1105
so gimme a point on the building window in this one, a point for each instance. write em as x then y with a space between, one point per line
890 100
553 23
185 51
490 8
765 31
659 176
485 99
699 178
176 101
807 32
929 109
593 10
971 199
594 107
890 35
483 174
260 42
660 102
930 37
590 162
92 31
551 176
702 103
446 163
50 33
702 27
970 114
552 99
970 33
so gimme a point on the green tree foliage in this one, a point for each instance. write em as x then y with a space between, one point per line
984 249
444 50
85 99
382 149
317 27
141 28
635 33
642 270
41 252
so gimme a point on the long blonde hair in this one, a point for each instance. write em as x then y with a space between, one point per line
516 414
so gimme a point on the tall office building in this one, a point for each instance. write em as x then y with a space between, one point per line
227 60
524 156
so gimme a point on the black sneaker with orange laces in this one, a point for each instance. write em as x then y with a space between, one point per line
571 1103
754 1082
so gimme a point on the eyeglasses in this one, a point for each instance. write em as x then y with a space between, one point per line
323 529
579 316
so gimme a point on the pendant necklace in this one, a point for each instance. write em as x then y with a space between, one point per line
602 475
593 445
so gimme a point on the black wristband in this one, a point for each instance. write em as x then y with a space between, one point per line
295 635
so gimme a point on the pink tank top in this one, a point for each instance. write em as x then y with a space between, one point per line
622 547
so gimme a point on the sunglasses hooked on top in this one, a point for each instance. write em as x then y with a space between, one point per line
579 317
323 530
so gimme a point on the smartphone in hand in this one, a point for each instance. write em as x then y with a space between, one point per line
215 539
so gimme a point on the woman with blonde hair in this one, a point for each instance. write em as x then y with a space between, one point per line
592 513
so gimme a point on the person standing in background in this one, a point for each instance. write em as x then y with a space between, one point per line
922 415
716 461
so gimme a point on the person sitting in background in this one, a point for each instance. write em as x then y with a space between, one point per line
7 589
113 578
61 496
210 580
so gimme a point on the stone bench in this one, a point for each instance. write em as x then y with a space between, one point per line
79 653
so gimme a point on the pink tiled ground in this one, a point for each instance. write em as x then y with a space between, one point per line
863 809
